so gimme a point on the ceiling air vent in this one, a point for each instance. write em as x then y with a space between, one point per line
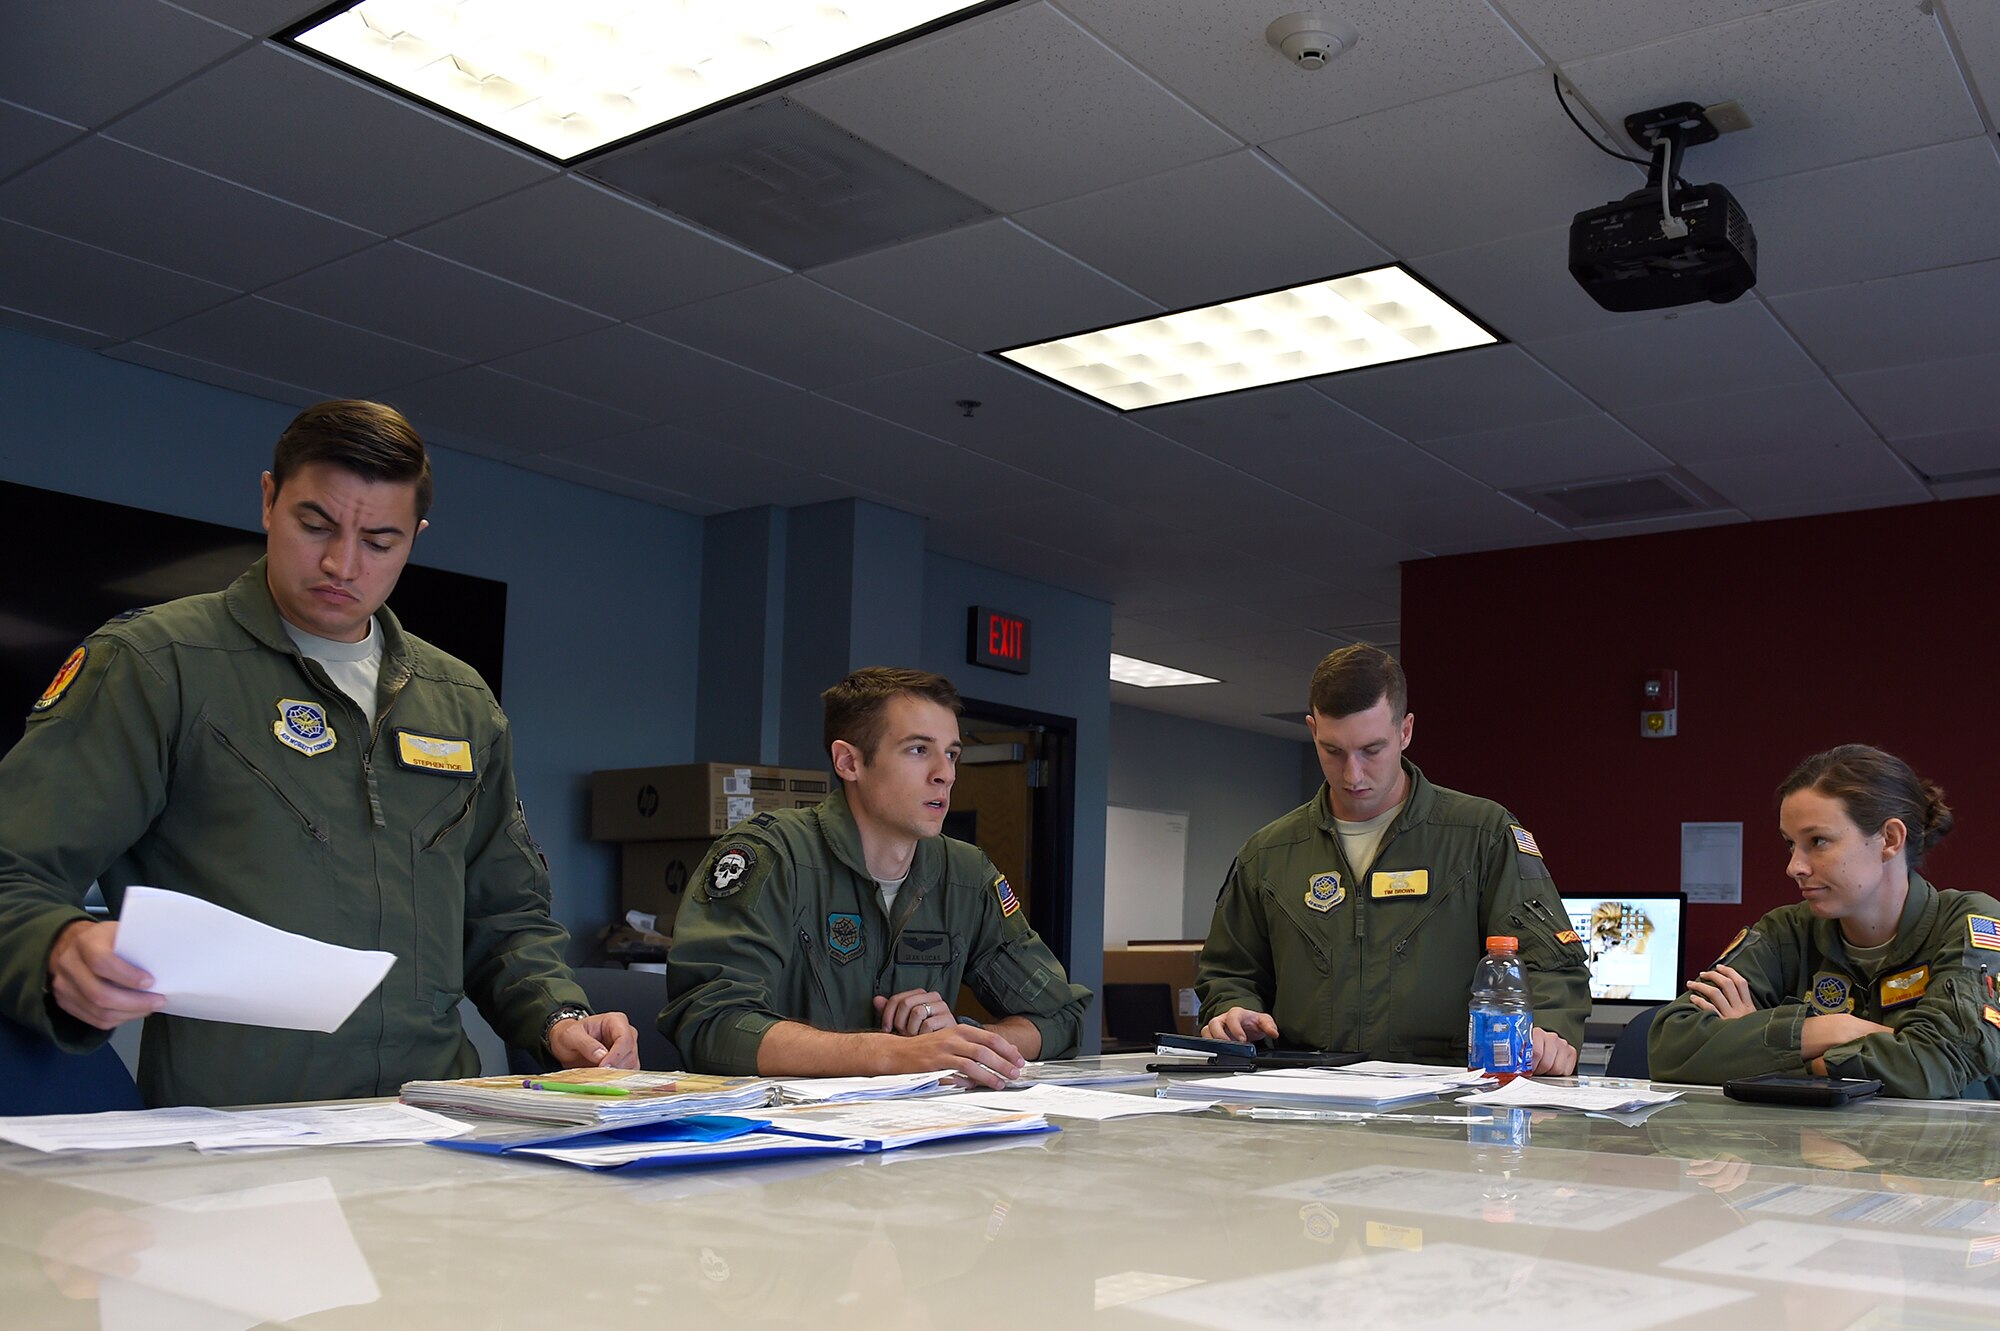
791 185
1666 494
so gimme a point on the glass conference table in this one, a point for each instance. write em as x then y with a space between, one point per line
1709 1214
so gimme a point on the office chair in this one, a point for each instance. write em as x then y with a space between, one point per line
1135 1013
1628 1054
38 1078
639 995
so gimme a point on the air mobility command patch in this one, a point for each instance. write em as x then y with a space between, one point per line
1009 903
303 726
1321 1224
64 678
1830 992
843 936
1324 892
1905 986
1983 931
731 867
1400 883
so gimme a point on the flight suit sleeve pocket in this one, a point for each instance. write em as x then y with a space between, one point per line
1008 986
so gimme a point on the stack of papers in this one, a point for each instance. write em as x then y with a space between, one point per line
217 1130
839 1090
1077 1102
1062 1074
1455 1076
1311 1086
604 1097
890 1125
1525 1093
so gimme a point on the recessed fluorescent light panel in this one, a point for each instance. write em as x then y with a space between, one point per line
1342 323
1146 675
566 77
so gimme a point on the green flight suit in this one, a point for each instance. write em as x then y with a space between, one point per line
783 922
166 762
1945 1041
1381 964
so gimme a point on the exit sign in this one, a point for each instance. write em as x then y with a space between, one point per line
997 639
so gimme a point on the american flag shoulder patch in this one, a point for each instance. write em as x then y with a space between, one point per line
1525 841
1983 931
1009 903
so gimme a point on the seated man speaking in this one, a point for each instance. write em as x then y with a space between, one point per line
825 942
1353 923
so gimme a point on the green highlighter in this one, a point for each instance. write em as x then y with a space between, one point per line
575 1087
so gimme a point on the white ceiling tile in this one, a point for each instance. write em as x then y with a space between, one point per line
1763 420
340 147
54 330
145 207
922 474
561 467
1928 208
59 280
1961 453
1218 577
1811 477
985 287
258 18
1212 231
1021 109
1287 435
706 469
1548 452
1821 83
1222 622
636 372
505 416
1520 286
798 331
417 297
1323 609
1455 393
293 347
1496 160
1475 522
585 244
1976 23
1568 31
187 367
1217 57
1718 517
131 49
1938 315
1703 351
1939 397
26 136
1023 558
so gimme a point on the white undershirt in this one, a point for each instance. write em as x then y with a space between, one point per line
1360 841
1868 960
889 891
354 667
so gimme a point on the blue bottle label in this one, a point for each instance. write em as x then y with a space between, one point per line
1499 1041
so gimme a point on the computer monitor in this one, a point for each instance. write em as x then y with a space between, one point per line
1635 944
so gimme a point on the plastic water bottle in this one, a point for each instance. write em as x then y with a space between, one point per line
1497 1038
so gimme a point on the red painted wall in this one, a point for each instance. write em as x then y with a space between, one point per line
1880 627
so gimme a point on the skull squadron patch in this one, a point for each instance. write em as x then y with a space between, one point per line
726 875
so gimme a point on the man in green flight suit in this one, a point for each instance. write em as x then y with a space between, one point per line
832 941
285 750
1354 922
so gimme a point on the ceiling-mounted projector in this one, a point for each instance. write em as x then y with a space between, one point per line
1670 243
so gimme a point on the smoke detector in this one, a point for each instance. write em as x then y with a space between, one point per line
1311 41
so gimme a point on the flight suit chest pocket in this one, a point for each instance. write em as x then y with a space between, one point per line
242 771
1305 931
447 824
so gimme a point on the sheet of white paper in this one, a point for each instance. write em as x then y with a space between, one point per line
126 1129
1076 1102
819 1090
216 965
1378 1068
1525 1093
1335 1087
1429 1290
1549 1203
1712 862
365 1125
624 1153
1905 1266
269 1254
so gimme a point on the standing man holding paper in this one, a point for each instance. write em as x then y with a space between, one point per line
284 749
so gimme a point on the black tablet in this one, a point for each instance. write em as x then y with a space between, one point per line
1779 1088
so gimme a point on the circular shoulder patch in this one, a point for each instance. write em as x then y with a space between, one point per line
731 867
65 677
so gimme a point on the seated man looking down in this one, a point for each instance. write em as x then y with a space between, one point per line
1353 923
832 941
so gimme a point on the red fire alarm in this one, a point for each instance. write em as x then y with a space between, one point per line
1659 704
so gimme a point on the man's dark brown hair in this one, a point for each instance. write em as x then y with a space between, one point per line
1355 678
373 441
856 707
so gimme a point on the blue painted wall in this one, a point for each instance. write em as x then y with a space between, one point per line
603 593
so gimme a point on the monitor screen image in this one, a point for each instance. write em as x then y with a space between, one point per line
1634 944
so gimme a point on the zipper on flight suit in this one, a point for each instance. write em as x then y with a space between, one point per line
317 832
812 970
368 754
463 814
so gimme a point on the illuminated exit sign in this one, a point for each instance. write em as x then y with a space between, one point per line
997 639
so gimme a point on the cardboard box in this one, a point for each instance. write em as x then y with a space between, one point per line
1171 964
694 799
653 875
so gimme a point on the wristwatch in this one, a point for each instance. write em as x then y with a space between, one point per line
567 1012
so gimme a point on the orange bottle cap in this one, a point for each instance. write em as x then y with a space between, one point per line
1501 943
